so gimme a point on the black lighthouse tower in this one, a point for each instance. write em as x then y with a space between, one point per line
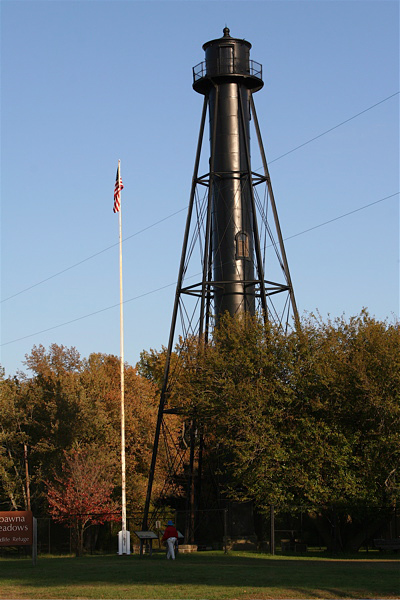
227 78
233 257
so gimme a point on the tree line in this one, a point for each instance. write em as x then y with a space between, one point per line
308 418
66 405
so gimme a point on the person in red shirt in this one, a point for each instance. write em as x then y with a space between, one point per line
170 536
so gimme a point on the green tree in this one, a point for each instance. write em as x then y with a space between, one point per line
50 402
13 440
244 398
67 402
307 419
348 376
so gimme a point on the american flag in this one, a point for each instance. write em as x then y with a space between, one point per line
117 190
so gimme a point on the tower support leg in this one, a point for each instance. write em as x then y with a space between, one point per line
173 322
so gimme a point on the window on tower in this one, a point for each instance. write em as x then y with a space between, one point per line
242 245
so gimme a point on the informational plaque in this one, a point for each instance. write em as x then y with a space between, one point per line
16 528
146 535
146 538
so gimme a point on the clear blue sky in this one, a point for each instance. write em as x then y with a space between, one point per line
85 83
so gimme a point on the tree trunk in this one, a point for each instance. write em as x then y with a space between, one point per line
27 479
79 540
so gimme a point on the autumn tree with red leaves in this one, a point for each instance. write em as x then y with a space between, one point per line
82 495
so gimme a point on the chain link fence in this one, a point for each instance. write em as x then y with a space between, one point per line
238 526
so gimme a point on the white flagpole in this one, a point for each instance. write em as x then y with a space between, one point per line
124 549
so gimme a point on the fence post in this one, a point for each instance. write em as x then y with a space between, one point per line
226 530
335 531
34 542
272 529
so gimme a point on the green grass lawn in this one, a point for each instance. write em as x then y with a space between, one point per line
207 576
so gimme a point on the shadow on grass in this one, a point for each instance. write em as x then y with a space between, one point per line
213 575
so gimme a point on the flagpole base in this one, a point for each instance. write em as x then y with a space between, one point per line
124 542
